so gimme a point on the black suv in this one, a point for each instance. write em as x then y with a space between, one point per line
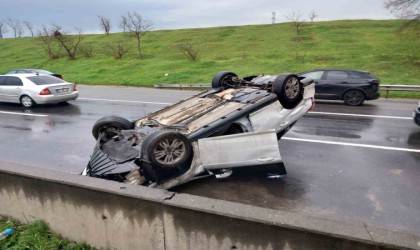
352 86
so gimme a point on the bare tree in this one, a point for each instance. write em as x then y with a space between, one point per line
312 15
123 23
50 47
190 51
3 29
116 49
16 26
68 42
87 50
405 9
297 23
137 28
105 24
30 27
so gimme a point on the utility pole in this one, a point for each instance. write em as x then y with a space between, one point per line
273 18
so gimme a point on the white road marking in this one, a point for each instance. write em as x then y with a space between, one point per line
353 144
360 115
110 100
17 113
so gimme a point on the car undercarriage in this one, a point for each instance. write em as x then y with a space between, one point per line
236 123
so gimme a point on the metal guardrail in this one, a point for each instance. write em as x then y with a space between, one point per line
388 88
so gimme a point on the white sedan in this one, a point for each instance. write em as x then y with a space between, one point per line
31 89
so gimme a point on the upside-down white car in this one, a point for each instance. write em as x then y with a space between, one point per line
236 123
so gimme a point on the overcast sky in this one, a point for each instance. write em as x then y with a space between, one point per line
179 14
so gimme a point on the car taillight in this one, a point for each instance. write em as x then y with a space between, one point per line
312 106
74 87
45 91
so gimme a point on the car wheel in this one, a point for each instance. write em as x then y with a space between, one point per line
109 126
26 101
354 98
222 79
167 149
288 89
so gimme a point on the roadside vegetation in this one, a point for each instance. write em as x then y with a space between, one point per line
35 235
374 46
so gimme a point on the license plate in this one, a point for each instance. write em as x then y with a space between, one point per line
63 90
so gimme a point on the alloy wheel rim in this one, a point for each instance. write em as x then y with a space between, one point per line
169 151
353 98
292 88
26 101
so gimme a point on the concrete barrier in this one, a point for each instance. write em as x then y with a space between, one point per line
114 215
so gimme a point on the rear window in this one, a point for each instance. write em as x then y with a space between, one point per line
44 80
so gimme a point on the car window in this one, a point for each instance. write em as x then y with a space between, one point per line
13 81
3 80
11 72
336 75
45 79
316 75
358 75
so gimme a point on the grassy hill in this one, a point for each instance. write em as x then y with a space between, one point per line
362 44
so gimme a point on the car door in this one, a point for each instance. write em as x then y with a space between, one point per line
239 150
335 83
319 82
10 89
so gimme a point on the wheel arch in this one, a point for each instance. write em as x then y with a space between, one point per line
347 90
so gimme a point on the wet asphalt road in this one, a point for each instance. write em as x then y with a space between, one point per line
359 163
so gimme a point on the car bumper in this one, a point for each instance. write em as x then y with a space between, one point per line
373 96
56 98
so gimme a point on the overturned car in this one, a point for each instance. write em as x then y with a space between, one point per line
236 123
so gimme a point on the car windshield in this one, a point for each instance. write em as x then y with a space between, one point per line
45 79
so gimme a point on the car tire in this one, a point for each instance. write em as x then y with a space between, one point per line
288 89
354 98
110 125
167 150
27 101
222 79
